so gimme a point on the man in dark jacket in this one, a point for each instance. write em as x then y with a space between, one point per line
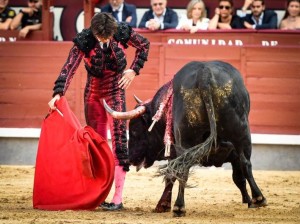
159 17
122 11
260 18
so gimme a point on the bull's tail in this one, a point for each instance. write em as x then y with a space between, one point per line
180 166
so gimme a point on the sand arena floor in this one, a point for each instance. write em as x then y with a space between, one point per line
214 199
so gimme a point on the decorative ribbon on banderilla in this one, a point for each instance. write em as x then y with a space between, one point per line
165 107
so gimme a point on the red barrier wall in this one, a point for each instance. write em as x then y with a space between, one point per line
271 73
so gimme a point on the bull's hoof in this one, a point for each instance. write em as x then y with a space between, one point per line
258 202
246 200
179 212
162 207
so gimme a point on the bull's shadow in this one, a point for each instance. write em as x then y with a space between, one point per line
200 117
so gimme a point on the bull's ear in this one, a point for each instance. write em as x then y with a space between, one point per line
146 116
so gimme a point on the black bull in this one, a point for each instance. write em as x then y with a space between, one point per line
210 126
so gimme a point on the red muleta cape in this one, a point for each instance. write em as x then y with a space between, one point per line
74 165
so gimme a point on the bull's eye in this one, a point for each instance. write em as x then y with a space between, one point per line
133 133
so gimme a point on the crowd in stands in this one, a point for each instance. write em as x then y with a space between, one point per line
253 15
26 20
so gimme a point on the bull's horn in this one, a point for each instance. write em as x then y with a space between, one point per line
137 99
124 115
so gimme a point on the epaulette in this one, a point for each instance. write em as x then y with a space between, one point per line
123 33
85 40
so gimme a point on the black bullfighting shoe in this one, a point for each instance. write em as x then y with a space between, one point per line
113 207
104 204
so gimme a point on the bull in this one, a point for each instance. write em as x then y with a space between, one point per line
204 115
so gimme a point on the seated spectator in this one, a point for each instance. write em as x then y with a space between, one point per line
224 17
29 18
123 12
195 18
260 18
291 18
6 15
159 17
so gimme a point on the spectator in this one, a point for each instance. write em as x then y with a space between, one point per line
260 18
224 17
291 18
159 17
123 12
6 15
195 18
29 18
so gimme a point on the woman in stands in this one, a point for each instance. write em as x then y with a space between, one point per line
291 19
195 18
225 18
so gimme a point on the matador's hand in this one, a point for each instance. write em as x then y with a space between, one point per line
52 102
127 78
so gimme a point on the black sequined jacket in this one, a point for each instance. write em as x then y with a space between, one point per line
97 59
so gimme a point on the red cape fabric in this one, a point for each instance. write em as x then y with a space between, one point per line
74 165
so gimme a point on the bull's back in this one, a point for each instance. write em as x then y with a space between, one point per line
219 81
210 72
223 81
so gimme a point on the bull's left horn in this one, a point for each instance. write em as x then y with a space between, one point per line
125 115
137 99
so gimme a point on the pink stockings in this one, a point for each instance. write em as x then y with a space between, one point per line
119 184
96 117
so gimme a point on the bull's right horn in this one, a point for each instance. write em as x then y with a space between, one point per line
125 115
